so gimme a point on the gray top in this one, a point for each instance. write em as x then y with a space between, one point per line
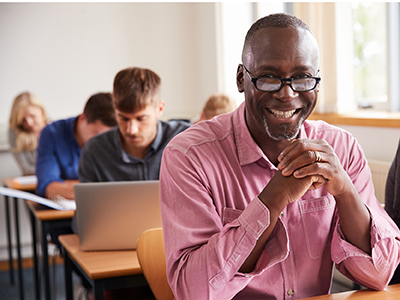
104 159
26 159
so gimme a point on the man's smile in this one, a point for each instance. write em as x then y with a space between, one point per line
281 114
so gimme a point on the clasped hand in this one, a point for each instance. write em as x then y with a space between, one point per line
301 169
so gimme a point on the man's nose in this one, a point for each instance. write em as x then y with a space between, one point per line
132 127
286 93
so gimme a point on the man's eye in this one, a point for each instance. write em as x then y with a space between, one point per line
302 76
268 76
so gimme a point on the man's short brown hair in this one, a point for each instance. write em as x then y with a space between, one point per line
100 107
135 88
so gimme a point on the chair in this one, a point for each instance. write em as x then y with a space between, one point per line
151 255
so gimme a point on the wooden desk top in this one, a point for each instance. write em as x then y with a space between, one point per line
392 292
101 264
8 182
45 213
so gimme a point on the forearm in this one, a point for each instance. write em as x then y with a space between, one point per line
251 260
355 220
64 189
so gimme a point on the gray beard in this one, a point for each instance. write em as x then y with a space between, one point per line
286 132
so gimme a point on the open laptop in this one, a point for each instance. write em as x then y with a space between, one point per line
112 215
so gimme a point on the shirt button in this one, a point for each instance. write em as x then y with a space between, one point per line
247 275
290 292
281 213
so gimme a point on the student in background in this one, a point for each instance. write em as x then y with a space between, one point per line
133 149
61 142
216 104
27 119
261 203
392 199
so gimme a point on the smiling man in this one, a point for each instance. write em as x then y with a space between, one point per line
132 150
261 203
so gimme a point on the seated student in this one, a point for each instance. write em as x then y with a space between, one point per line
133 149
216 104
392 200
260 203
27 119
61 142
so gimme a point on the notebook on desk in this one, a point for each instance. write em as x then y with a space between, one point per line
112 215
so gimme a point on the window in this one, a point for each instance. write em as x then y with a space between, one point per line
359 50
370 53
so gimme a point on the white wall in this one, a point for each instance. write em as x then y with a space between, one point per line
65 52
378 143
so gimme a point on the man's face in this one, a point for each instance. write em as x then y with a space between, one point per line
280 53
138 129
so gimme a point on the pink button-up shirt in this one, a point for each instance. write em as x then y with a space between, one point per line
210 178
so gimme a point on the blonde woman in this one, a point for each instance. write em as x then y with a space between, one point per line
216 104
27 119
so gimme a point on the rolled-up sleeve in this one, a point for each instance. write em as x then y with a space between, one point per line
373 271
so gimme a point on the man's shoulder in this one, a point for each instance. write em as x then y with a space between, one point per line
204 132
102 139
59 125
173 127
318 129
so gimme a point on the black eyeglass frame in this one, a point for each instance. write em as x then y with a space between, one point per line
282 80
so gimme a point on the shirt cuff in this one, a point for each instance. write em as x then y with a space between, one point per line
255 219
380 231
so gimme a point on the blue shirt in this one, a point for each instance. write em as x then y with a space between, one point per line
58 154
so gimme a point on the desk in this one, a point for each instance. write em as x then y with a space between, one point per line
8 183
45 218
104 270
392 292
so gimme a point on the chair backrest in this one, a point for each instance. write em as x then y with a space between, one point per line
151 255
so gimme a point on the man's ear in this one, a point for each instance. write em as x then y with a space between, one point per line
240 78
82 117
160 108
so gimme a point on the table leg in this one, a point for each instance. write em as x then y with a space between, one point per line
35 255
98 289
20 283
9 246
45 259
68 276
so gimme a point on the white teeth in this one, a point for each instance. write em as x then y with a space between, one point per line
283 114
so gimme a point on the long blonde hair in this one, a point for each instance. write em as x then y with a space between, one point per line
25 141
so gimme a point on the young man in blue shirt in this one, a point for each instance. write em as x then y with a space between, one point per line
60 145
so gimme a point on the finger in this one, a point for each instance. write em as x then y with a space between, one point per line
316 168
295 149
305 159
318 181
289 148
300 153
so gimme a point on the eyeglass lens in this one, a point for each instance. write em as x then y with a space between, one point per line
274 84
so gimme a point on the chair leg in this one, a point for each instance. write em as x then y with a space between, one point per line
53 262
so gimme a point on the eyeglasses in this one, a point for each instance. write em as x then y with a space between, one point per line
272 84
